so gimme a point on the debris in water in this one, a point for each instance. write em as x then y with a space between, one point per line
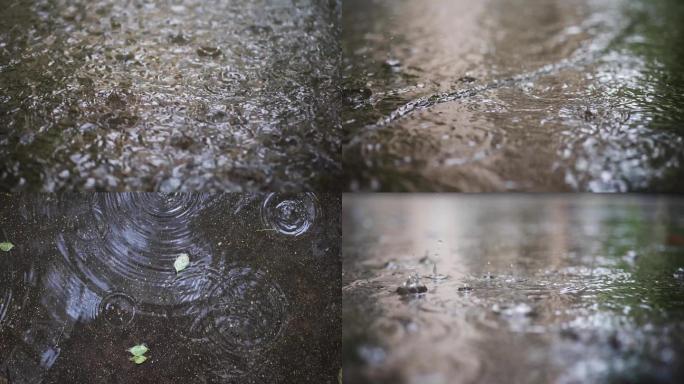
138 350
138 353
182 262
6 246
138 359
412 285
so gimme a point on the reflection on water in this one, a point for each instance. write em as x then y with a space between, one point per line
566 289
513 95
91 276
167 95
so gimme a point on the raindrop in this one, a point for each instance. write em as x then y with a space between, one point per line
465 288
488 274
412 285
206 51
679 274
118 309
435 275
290 214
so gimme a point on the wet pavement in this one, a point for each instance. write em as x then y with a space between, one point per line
524 95
91 276
172 95
515 289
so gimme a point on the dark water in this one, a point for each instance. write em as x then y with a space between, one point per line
527 95
171 95
92 275
520 289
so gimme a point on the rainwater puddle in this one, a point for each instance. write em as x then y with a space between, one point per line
91 276
526 95
560 289
188 95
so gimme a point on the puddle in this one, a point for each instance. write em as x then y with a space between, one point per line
91 276
562 289
581 95
189 95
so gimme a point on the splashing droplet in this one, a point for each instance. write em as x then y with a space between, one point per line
118 309
206 51
290 215
412 285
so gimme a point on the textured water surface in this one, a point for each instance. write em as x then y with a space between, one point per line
173 95
515 289
497 95
93 275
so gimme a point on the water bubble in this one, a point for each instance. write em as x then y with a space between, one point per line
465 288
290 214
118 309
412 285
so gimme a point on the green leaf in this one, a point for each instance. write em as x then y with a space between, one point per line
182 262
6 246
138 359
138 350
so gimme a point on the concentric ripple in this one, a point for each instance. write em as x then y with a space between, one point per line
246 313
118 309
290 214
145 234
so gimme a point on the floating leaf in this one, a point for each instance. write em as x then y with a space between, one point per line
138 350
181 262
6 246
138 359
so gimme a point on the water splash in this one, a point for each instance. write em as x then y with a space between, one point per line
290 214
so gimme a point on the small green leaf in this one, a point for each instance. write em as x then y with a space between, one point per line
181 262
6 246
138 350
138 359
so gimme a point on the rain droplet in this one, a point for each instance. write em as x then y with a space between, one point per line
206 51
679 274
290 215
118 309
412 285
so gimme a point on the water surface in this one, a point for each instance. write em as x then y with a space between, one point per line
524 95
93 275
172 95
518 289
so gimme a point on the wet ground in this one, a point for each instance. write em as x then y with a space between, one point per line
172 95
91 276
515 289
526 95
